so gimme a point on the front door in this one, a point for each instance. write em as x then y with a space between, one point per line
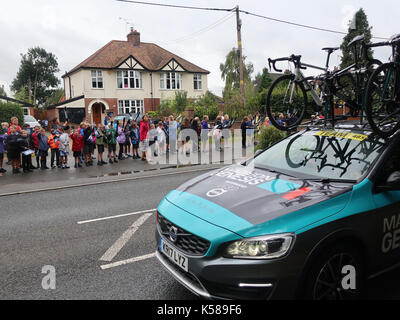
97 110
388 212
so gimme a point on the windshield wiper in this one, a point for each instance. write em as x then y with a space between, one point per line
330 180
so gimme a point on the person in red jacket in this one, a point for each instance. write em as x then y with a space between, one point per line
144 136
35 139
77 146
14 122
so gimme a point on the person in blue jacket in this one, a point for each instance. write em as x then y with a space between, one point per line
135 140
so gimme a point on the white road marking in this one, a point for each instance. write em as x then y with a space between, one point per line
131 260
117 216
117 246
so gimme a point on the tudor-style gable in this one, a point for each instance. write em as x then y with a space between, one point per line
130 63
172 65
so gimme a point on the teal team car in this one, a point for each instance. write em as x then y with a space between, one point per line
311 217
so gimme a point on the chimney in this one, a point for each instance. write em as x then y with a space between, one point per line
134 37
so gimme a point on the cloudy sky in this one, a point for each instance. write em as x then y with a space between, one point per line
74 29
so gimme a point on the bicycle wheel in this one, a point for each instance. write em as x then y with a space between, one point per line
382 100
288 99
301 149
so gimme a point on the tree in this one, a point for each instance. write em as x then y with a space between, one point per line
55 97
262 81
3 92
230 73
36 75
22 95
361 27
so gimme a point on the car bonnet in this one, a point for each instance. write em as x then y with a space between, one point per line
253 202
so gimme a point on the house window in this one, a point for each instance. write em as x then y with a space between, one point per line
130 106
129 79
197 82
26 111
97 79
171 81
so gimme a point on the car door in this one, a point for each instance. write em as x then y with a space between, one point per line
388 212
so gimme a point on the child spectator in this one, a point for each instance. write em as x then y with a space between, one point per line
77 145
3 137
160 138
14 122
43 148
26 146
100 135
121 139
87 143
54 143
64 148
111 134
135 138
13 148
205 128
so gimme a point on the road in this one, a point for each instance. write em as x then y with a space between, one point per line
96 259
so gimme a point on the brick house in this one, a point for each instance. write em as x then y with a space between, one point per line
128 76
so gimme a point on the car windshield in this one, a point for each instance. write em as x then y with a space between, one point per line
335 155
29 119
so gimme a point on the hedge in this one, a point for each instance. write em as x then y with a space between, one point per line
8 110
269 135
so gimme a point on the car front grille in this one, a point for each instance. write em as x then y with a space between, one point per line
186 241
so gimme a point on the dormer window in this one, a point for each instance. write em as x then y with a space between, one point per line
97 79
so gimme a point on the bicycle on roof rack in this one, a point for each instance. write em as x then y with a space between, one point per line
382 96
301 150
287 95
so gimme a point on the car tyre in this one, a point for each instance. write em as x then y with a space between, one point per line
324 278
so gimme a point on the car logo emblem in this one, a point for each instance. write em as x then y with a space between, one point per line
173 234
216 192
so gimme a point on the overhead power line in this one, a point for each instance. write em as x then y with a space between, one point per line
175 6
242 11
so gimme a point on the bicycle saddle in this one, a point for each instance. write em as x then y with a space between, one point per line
395 38
356 39
330 50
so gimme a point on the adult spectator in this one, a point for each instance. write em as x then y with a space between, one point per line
35 138
144 136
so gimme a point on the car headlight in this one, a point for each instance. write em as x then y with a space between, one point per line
264 247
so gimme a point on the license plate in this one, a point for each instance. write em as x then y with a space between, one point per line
174 255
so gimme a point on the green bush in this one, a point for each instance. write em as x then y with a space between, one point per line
269 135
8 110
211 111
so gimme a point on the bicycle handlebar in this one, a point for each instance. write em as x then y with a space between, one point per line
293 58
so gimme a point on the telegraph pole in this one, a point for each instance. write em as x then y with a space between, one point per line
240 54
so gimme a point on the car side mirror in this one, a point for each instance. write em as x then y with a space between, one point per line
392 182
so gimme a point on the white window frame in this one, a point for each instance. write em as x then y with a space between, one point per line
171 81
97 78
197 81
130 106
129 79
